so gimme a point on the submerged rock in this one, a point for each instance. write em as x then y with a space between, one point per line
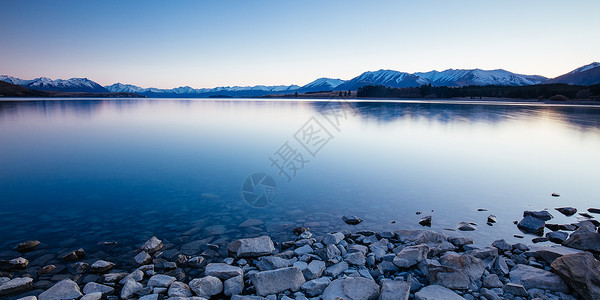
355 288
352 220
581 271
27 246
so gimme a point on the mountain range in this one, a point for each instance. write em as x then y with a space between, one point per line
585 75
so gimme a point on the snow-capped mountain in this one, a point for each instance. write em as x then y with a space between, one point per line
586 75
463 77
321 84
47 84
186 91
383 77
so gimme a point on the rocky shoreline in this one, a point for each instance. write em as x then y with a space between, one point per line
403 264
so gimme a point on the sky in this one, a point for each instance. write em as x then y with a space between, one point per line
205 44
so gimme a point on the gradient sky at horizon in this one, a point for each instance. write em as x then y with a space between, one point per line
167 44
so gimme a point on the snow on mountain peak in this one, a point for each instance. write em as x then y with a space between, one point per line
586 67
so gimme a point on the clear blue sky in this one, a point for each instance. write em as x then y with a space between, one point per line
219 43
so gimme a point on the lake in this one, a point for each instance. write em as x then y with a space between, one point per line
75 173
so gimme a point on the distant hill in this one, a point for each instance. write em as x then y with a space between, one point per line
586 75
13 90
456 78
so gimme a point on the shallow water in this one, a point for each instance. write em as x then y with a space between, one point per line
78 172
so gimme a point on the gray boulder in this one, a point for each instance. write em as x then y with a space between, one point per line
549 253
277 281
333 238
542 214
65 289
252 247
411 256
352 220
16 286
394 290
223 271
584 238
152 245
101 266
233 286
315 287
206 286
267 263
531 277
437 242
130 288
337 269
581 271
92 287
356 258
515 290
355 288
465 226
567 211
161 280
436 292
179 289
314 269
141 258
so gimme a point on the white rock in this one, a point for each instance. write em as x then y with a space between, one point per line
65 289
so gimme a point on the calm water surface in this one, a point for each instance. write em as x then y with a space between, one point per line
78 172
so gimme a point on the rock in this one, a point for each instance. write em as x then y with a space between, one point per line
355 288
74 255
244 297
90 296
315 287
557 236
267 263
456 271
492 281
206 286
195 262
567 211
410 256
141 258
437 242
65 289
531 224
130 288
101 266
515 289
531 277
306 249
160 280
492 219
329 252
581 271
92 287
425 221
356 258
27 246
300 230
152 245
80 267
464 226
594 210
179 289
539 240
277 281
502 245
314 269
333 238
583 239
489 295
223 271
336 269
352 220
159 297
112 277
251 223
460 241
584 214
47 269
16 286
500 267
136 275
553 227
542 214
252 247
394 290
18 263
233 285
436 292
